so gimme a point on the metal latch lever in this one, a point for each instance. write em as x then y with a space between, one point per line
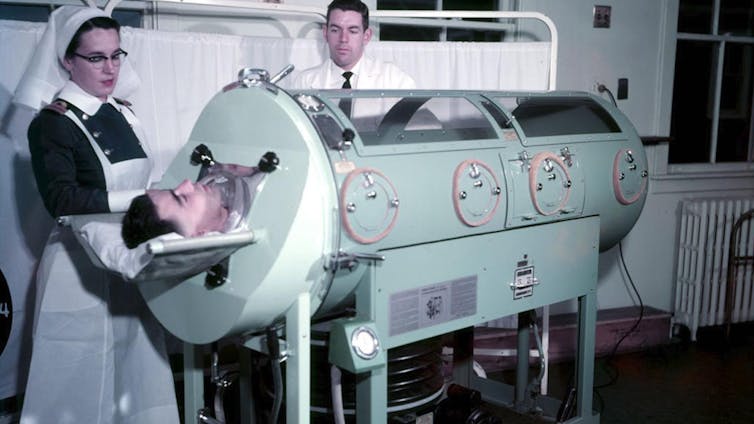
350 260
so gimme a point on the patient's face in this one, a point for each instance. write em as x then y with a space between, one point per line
194 208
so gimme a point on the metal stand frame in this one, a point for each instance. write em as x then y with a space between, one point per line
561 277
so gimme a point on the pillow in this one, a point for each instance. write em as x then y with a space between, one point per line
100 236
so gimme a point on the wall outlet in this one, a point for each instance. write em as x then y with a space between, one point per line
596 85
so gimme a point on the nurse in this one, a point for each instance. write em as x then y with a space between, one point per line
98 353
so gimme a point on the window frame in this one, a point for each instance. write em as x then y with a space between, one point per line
471 25
719 41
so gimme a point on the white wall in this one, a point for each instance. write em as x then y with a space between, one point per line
636 46
640 46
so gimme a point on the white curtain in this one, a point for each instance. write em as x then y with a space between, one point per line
180 72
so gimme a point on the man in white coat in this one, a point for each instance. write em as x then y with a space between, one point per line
347 33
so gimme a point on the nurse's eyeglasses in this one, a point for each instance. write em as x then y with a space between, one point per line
98 60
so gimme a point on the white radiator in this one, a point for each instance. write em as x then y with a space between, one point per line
703 263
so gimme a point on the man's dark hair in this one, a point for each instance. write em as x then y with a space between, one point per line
141 222
355 5
102 22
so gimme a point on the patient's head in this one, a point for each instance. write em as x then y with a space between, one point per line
191 209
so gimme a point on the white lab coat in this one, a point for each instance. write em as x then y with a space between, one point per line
368 74
98 353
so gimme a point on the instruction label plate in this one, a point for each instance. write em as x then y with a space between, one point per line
432 304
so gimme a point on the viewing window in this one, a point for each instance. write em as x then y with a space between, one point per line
390 120
551 116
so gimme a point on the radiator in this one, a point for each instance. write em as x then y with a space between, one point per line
706 261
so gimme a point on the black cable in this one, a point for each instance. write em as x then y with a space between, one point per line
603 89
566 411
610 356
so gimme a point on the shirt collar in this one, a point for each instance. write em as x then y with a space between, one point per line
337 71
88 104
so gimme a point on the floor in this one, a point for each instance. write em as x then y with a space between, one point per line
708 381
705 382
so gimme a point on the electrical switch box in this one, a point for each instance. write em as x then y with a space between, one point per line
602 16
622 88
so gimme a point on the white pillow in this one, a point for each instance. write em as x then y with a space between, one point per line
101 237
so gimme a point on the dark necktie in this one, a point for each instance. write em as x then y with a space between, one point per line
345 103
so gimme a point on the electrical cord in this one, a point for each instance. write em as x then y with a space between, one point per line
537 381
273 348
612 353
567 407
603 89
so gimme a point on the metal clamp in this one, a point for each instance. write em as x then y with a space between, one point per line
567 156
249 77
525 160
349 261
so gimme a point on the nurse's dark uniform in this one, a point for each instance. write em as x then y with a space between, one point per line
98 353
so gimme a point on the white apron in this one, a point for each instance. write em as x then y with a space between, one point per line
98 353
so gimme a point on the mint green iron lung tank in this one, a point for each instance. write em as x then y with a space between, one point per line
399 168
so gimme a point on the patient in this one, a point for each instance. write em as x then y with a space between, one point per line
218 202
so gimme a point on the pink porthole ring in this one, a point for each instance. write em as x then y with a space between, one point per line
617 177
536 162
350 230
457 175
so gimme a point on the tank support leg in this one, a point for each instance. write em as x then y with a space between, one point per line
193 382
297 376
585 359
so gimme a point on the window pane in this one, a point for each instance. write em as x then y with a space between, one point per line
472 35
408 33
469 4
131 18
695 16
737 17
25 13
407 4
41 13
457 34
735 104
691 122
418 33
